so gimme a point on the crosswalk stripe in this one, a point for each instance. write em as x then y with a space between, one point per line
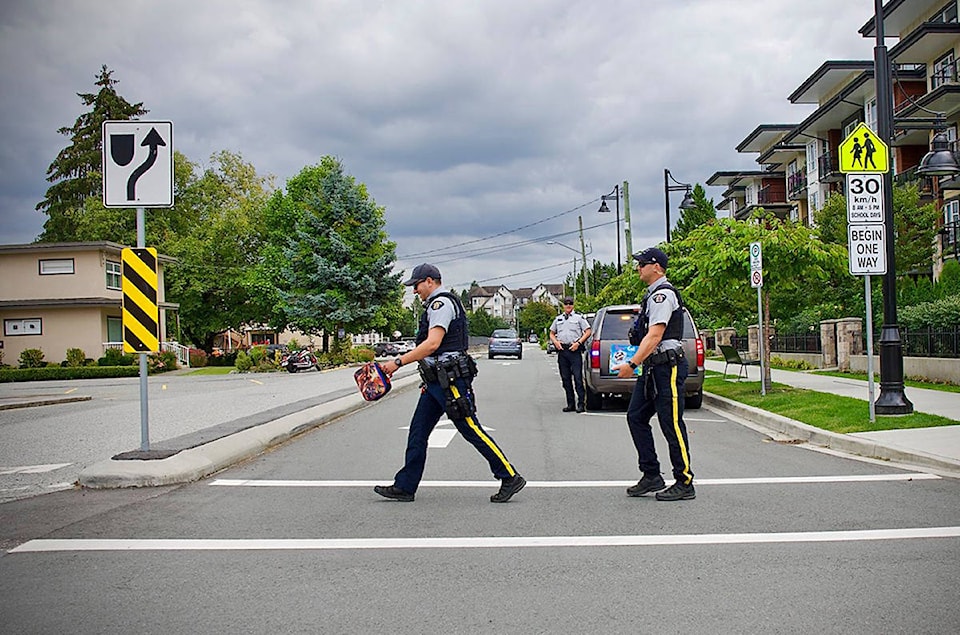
32 469
776 480
474 542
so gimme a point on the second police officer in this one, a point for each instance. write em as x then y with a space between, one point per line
447 371
569 332
659 389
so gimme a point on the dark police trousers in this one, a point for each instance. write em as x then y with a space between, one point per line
659 390
571 374
429 410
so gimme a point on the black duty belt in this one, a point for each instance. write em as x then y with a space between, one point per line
670 357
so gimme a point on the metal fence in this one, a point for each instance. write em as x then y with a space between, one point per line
806 343
925 342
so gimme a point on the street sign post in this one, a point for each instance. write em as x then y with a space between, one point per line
756 281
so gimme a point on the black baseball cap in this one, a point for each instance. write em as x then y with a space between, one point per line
421 273
568 300
651 255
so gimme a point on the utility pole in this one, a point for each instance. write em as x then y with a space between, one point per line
583 254
626 219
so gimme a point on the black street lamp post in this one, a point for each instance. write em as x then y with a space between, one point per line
685 204
615 196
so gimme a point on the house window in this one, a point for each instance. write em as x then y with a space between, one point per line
113 275
870 114
114 329
944 71
26 326
812 156
951 211
56 267
813 199
948 14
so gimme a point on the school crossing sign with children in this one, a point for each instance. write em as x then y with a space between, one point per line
863 151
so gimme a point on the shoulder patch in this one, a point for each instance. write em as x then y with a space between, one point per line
436 304
659 297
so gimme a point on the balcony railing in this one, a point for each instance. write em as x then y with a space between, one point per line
944 75
797 184
950 238
829 166
770 195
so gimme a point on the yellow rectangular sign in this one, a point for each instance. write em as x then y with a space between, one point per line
141 312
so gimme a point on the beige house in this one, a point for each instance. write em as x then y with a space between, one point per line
55 296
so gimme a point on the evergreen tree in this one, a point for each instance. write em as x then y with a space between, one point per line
75 173
702 213
327 254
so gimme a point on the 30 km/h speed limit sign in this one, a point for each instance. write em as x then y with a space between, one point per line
756 265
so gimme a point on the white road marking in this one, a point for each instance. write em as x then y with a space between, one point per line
777 480
468 542
441 436
32 469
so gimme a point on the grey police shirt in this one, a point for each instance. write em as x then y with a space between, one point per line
440 311
569 328
661 304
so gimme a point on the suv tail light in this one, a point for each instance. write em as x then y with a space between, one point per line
700 352
595 355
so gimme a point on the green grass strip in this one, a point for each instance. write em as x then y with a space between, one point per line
818 409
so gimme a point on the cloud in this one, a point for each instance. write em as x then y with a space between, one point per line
465 119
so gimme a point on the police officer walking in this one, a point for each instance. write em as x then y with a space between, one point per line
569 332
659 389
447 372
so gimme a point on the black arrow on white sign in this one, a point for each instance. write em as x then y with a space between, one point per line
153 139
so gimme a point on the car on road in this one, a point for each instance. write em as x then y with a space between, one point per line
505 342
609 346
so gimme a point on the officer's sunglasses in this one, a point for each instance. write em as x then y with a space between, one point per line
417 284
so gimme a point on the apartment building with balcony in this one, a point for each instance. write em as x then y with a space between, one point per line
926 98
55 296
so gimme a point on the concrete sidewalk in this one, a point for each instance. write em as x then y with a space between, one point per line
937 447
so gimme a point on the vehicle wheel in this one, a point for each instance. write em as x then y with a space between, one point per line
594 400
520 356
489 355
291 368
693 402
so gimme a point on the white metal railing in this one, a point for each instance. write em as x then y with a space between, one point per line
182 352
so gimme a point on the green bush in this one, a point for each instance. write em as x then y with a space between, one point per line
361 354
161 362
224 359
58 373
75 357
116 357
792 364
243 362
32 358
941 314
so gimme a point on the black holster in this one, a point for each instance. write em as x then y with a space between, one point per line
670 357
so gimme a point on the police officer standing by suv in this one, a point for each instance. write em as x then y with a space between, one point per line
568 332
659 389
447 372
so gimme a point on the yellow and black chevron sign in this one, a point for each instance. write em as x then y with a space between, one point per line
141 315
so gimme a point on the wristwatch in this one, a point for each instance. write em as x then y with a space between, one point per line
632 365
398 362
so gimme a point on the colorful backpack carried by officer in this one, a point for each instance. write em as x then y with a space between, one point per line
372 381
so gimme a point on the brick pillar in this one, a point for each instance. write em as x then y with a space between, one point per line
724 336
849 341
753 347
828 343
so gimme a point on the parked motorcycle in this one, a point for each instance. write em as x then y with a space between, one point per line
299 360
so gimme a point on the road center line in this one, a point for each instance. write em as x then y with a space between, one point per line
781 480
105 544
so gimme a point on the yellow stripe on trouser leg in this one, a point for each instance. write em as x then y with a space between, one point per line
484 437
676 426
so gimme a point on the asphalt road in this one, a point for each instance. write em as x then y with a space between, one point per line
779 539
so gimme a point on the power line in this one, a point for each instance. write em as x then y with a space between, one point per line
503 233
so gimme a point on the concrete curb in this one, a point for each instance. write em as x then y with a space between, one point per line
195 463
832 440
9 403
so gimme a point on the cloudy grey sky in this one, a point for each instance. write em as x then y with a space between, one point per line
466 119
